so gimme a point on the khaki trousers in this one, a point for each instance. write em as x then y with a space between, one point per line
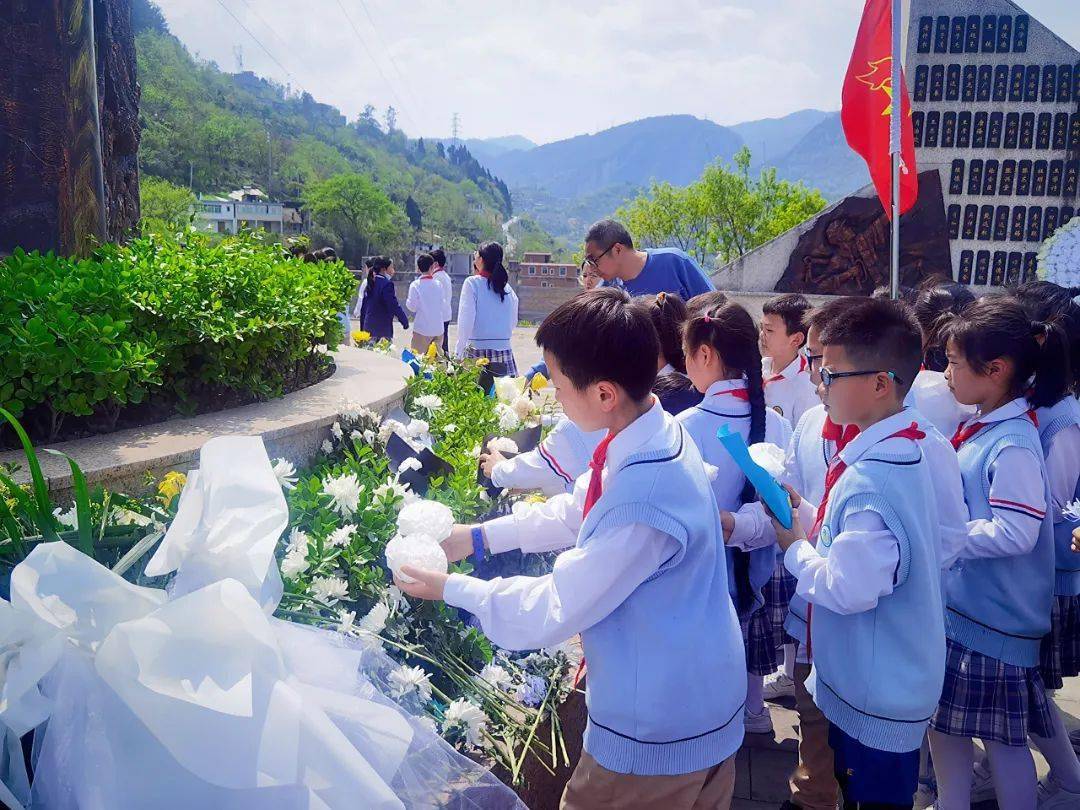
813 785
594 787
420 342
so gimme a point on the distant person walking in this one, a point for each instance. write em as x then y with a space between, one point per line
380 304
487 310
447 286
610 253
425 300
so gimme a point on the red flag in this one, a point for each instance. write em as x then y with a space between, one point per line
867 107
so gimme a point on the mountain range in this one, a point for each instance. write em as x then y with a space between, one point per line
573 181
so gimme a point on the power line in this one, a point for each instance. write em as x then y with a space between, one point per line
256 40
393 62
269 27
364 47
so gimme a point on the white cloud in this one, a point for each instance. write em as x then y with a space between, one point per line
548 69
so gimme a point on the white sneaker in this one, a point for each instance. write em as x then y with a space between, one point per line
758 723
778 685
1052 796
982 782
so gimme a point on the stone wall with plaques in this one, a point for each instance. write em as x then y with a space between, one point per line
996 110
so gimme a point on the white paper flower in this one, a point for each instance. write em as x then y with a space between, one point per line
405 680
418 550
523 407
426 517
329 589
448 429
508 419
507 389
502 444
298 540
340 537
428 402
374 620
1071 511
468 718
346 620
411 463
327 447
285 472
294 564
769 457
496 677
70 518
335 429
344 493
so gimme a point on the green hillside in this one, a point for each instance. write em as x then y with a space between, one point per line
220 131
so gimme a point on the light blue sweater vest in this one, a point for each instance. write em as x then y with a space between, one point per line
1052 421
495 317
1000 606
878 674
667 674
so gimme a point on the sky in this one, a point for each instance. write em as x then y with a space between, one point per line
546 69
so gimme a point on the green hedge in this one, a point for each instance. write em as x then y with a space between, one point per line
184 323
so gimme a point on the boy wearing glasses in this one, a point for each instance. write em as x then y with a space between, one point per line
871 584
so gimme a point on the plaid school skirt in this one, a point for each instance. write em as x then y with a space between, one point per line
505 356
989 699
778 592
759 640
1060 652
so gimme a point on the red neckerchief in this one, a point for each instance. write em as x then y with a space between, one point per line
963 433
778 377
483 274
840 435
738 393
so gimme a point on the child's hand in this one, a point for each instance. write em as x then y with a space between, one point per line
428 585
489 460
1076 540
785 538
459 544
727 523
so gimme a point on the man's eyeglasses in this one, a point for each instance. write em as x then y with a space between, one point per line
592 263
812 360
829 377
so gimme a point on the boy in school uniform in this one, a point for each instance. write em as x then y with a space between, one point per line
644 580
872 584
426 300
788 388
446 284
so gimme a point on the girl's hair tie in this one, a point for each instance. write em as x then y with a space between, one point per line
708 319
661 298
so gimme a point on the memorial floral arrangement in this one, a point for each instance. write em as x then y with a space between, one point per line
1059 257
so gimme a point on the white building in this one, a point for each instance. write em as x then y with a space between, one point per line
247 207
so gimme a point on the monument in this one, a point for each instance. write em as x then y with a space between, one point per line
996 117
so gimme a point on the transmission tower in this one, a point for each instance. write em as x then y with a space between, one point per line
455 127
238 54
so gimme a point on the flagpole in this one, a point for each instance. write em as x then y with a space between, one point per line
895 123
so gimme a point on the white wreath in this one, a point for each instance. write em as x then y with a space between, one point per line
1059 257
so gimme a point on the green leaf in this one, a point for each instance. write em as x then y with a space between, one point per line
85 543
41 490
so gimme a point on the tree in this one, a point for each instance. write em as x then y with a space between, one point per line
421 150
391 119
367 119
670 216
441 150
165 207
358 213
310 161
412 211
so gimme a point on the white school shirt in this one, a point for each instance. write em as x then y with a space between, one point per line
426 300
790 392
944 468
446 284
865 569
554 465
1063 469
1016 497
930 395
586 584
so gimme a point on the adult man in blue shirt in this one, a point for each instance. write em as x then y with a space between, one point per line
609 251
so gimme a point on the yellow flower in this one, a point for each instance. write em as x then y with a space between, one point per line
482 361
539 382
432 350
171 486
536 499
361 337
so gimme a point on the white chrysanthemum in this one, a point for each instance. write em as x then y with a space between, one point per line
356 436
346 621
468 718
484 496
418 550
769 457
294 564
340 537
394 599
426 517
126 517
329 589
428 402
1071 510
405 680
448 429
369 436
327 447
389 427
507 389
495 676
1059 257
418 429
374 620
70 518
354 411
285 472
410 464
523 407
298 540
502 444
475 452
335 429
394 488
508 420
344 492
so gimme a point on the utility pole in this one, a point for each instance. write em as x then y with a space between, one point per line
455 128
269 166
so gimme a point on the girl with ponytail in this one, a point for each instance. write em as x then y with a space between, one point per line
379 305
488 311
720 344
673 388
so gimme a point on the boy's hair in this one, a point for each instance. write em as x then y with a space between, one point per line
880 335
608 232
818 318
596 336
439 255
668 314
999 326
792 309
424 262
933 307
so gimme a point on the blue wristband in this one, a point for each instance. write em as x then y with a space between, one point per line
478 544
